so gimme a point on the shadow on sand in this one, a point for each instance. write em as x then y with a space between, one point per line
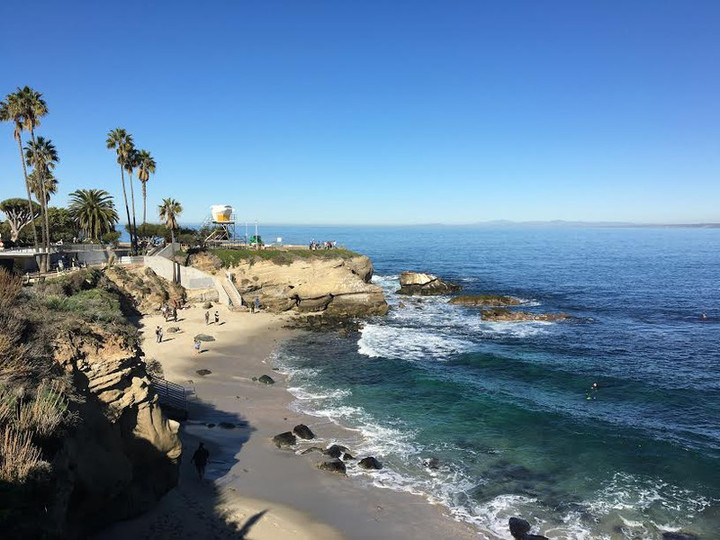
197 508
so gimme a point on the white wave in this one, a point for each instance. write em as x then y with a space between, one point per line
408 343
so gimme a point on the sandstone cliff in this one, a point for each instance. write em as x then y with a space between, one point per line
338 286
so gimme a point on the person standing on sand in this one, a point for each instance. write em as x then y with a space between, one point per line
207 318
257 303
200 458
217 317
197 346
158 334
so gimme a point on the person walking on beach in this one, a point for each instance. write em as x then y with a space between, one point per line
175 314
200 458
217 317
197 345
207 318
158 334
257 304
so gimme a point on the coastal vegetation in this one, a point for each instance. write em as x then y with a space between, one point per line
231 257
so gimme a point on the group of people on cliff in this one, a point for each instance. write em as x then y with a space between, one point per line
321 245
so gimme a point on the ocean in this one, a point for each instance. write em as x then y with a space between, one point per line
504 408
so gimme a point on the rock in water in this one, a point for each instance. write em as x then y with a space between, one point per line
304 432
506 315
348 457
334 465
488 300
431 463
266 379
313 449
370 463
285 440
425 285
520 530
335 451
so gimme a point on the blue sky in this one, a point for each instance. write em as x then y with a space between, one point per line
382 112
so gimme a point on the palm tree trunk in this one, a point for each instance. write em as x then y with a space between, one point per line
29 195
44 260
172 250
132 200
144 191
127 210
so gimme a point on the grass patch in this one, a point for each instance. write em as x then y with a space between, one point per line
92 305
231 257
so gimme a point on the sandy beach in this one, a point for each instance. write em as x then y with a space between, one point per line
250 482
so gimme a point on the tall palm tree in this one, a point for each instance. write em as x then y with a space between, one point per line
94 212
130 166
122 142
42 156
51 184
169 211
34 108
11 110
146 167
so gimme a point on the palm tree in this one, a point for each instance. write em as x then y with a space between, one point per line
34 108
169 210
130 165
11 110
122 142
146 167
36 189
94 212
42 156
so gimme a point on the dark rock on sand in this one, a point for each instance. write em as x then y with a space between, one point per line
487 300
204 337
335 451
284 440
413 283
333 465
313 449
266 379
679 536
370 463
203 372
173 330
304 432
506 315
520 530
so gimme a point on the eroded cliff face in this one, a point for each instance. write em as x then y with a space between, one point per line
124 454
338 286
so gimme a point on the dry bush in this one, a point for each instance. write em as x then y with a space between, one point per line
42 415
19 457
10 287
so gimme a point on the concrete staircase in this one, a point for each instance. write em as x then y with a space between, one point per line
234 299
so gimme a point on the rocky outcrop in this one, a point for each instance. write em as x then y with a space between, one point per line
285 440
416 283
370 463
485 300
338 286
507 315
333 465
124 454
147 290
520 530
304 432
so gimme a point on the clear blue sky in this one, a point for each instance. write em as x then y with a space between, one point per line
382 112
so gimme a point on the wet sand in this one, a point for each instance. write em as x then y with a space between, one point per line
247 474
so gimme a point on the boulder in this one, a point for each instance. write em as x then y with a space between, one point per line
266 379
520 530
313 449
507 315
285 440
304 432
484 300
416 283
203 372
333 465
336 450
348 457
173 330
370 463
203 337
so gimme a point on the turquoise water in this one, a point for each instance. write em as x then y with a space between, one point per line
503 405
